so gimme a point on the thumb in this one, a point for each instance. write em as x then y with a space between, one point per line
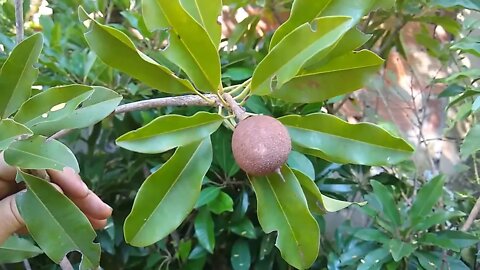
10 219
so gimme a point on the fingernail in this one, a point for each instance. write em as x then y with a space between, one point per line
85 187
111 209
69 170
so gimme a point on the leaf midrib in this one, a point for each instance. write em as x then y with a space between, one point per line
38 156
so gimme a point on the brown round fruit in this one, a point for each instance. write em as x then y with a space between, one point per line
260 145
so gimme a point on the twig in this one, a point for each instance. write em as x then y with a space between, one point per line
238 111
188 100
476 208
26 265
19 20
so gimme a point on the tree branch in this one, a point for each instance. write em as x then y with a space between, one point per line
238 111
188 100
19 20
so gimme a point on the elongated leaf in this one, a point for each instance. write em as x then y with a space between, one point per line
94 109
469 4
400 249
241 29
222 203
206 14
312 193
387 202
190 46
300 162
374 260
168 195
334 205
304 11
37 153
439 217
18 74
43 111
372 235
471 144
240 257
17 249
56 224
328 80
335 140
282 207
10 131
207 195
286 59
426 199
436 260
170 131
118 51
204 229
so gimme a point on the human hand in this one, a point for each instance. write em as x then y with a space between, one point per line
67 181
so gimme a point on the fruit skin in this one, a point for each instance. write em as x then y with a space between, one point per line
261 145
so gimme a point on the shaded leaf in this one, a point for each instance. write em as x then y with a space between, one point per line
468 4
282 207
16 249
385 197
300 162
38 153
167 196
312 193
335 140
241 29
17 74
190 46
437 218
207 195
204 229
374 260
426 199
222 203
10 131
400 249
109 43
48 213
435 260
471 143
373 235
240 257
244 228
169 131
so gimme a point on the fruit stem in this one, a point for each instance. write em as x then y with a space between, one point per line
279 173
238 111
239 87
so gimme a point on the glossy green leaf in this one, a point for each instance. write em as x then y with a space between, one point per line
170 131
240 257
207 195
241 29
334 205
118 51
190 46
335 140
471 143
94 109
43 111
204 229
244 228
49 213
206 14
312 193
426 199
282 207
469 4
300 162
387 202
433 239
16 249
459 238
167 196
10 131
467 45
328 80
373 235
400 250
435 260
222 151
307 10
437 218
18 74
38 153
374 260
222 203
286 59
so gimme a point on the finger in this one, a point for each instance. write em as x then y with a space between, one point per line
98 224
7 172
93 206
70 182
10 219
7 188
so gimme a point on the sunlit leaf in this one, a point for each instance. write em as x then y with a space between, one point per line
10 131
206 14
16 249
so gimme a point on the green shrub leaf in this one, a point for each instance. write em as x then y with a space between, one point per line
10 131
426 199
206 14
240 257
387 202
335 140
170 131
16 249
204 229
168 195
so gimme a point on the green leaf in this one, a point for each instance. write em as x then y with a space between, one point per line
16 249
300 162
282 207
222 203
207 195
312 193
467 45
240 257
335 140
10 131
471 143
327 80
94 109
459 238
17 74
304 11
400 250
167 196
38 153
109 44
43 111
387 202
206 14
286 59
48 213
241 29
222 151
170 131
435 240
190 46
374 260
435 260
204 229
437 218
332 205
244 228
426 199
373 235
469 4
